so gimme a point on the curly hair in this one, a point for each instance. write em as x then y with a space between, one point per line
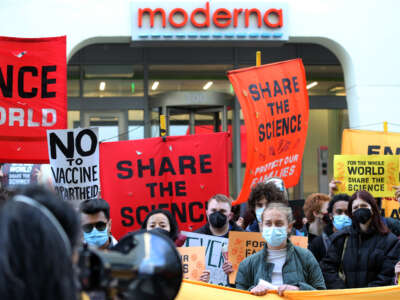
313 204
269 191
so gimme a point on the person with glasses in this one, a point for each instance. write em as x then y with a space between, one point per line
96 223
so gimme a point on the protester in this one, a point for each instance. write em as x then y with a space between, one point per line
361 255
39 234
316 211
338 215
166 224
280 263
96 223
391 223
219 214
262 194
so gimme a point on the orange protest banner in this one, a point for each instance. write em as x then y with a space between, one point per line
243 244
275 106
193 261
191 290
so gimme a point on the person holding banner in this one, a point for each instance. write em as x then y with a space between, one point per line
219 215
262 194
164 222
280 265
361 255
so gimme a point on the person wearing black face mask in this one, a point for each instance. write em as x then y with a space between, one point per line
363 254
219 215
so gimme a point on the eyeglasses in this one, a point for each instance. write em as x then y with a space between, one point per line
99 226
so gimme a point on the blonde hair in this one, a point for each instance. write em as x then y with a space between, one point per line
221 198
281 207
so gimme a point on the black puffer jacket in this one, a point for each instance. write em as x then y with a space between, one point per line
368 259
206 229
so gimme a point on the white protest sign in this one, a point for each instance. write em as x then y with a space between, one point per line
214 258
74 160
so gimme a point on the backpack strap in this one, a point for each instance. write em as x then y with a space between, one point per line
341 271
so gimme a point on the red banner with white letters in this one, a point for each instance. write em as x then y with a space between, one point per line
275 106
179 174
33 96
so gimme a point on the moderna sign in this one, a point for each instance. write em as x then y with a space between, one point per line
209 20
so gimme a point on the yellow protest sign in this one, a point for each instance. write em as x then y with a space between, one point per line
376 174
370 142
193 261
191 290
243 244
391 207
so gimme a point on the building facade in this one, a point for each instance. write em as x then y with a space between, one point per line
127 65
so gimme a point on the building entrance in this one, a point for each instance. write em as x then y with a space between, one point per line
191 112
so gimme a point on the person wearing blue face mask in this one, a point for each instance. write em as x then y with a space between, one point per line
339 219
96 223
363 254
280 265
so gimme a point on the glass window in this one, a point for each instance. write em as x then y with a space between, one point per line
112 81
73 75
325 128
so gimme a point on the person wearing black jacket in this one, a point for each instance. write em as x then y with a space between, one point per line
338 214
364 254
219 215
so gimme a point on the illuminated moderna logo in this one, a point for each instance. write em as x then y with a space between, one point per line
221 17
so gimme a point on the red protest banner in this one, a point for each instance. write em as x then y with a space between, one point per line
275 106
179 174
33 96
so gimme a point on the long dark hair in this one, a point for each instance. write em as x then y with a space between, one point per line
35 262
173 234
376 222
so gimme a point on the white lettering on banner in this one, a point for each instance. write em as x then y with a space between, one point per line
17 117
3 115
31 123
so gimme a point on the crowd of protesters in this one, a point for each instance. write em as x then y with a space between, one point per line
350 245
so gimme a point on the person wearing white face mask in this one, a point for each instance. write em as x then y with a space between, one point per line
361 255
280 265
